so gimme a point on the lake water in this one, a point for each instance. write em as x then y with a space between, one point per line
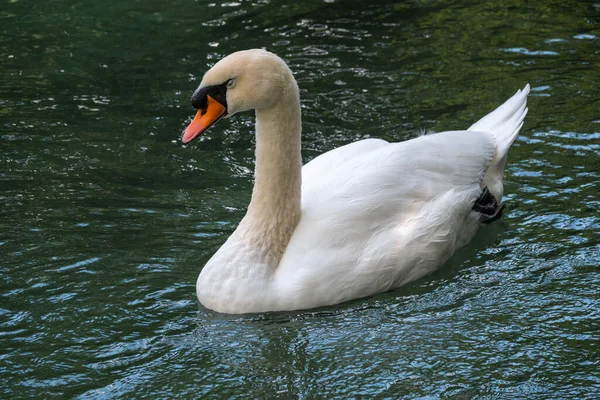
106 220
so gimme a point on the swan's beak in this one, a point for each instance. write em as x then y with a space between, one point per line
203 120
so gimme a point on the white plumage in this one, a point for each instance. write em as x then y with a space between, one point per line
358 220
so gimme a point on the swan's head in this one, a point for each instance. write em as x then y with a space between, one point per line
249 79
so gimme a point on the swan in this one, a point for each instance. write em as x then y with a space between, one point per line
355 221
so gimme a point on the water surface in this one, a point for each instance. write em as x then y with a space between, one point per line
106 221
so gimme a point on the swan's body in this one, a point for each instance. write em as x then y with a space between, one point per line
356 221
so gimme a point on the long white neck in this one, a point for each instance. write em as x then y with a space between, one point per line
274 210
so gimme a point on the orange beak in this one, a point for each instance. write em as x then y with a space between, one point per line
204 120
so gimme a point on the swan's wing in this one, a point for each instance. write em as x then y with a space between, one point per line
383 218
393 176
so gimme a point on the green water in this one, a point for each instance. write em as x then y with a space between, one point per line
106 220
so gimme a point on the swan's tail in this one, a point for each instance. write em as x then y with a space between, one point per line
504 123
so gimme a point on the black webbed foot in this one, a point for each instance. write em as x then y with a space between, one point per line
488 207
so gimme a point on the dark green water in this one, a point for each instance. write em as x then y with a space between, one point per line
106 221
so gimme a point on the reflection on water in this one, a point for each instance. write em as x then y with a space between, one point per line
106 220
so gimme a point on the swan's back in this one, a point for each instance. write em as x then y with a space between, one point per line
395 174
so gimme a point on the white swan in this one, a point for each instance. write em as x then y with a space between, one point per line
355 221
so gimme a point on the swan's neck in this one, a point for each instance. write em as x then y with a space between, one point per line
274 210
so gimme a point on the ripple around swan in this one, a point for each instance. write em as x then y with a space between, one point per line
106 220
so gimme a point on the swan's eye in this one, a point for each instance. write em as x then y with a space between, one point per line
230 83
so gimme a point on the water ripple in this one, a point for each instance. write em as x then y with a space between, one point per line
106 220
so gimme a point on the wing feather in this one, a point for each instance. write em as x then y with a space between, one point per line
390 176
